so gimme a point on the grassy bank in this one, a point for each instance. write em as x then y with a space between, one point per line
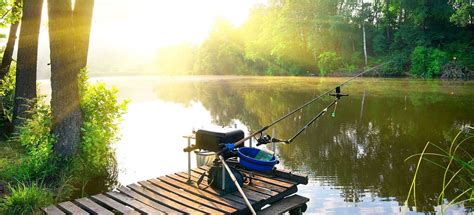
34 176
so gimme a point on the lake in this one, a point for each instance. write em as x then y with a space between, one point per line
355 160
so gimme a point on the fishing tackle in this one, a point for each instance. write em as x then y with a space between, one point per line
337 96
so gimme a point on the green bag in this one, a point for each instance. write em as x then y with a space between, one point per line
215 179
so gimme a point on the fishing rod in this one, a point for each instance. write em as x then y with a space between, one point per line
337 94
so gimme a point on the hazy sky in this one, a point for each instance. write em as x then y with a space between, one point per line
126 33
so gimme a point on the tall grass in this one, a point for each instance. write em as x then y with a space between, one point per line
26 199
458 166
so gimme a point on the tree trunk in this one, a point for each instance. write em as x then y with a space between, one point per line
365 43
25 88
8 53
387 16
82 19
67 116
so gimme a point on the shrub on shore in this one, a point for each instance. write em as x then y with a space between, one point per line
61 177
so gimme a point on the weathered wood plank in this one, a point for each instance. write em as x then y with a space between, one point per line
255 196
172 194
138 206
71 208
148 201
92 207
270 179
182 177
202 193
169 203
264 177
108 202
285 205
53 210
256 185
286 174
281 194
176 197
192 196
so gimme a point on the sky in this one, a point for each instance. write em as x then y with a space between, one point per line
126 34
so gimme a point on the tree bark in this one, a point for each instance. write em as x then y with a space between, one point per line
25 88
82 20
387 16
365 43
67 115
8 53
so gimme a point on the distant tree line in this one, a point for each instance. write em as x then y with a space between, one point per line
328 37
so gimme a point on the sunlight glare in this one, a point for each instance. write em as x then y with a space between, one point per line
144 25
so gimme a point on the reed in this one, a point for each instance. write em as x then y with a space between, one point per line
457 163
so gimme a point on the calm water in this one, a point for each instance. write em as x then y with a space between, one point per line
355 161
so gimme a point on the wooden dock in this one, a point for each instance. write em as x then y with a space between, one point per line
271 193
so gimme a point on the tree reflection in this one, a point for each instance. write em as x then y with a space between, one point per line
358 151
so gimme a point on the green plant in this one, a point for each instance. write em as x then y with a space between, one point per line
26 199
36 141
102 113
7 93
458 165
427 62
328 62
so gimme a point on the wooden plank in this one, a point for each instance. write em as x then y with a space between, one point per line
182 177
255 196
270 180
138 206
169 203
286 174
277 174
251 195
92 207
71 208
178 198
256 185
202 193
108 202
264 177
53 210
285 205
148 201
286 192
183 191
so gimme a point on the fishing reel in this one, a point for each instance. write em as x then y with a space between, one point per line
265 139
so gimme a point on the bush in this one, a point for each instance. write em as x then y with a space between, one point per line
7 93
328 62
427 62
26 199
37 162
101 114
36 141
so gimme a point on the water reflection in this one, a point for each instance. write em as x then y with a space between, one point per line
355 160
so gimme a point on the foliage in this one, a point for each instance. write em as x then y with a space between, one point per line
427 62
7 93
10 11
36 141
36 161
102 113
288 38
464 12
458 166
328 62
26 199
